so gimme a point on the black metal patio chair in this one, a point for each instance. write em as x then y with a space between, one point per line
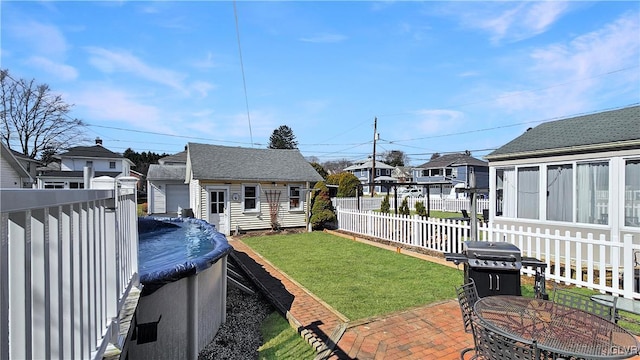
492 346
467 297
585 303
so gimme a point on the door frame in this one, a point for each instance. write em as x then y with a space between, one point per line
227 206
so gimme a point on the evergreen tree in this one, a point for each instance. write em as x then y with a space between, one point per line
404 208
385 205
322 213
320 170
283 138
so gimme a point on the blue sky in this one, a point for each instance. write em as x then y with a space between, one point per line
438 76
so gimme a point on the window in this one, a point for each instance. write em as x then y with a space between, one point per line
251 199
632 193
112 164
76 185
560 192
295 202
89 163
506 192
216 198
54 185
528 193
592 192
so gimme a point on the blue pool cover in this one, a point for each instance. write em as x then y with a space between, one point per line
173 248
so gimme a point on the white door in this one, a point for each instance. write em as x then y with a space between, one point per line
218 209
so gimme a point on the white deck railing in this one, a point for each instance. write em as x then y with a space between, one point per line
572 258
68 259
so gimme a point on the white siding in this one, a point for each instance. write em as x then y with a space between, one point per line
9 177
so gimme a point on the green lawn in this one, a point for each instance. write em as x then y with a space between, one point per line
281 341
356 279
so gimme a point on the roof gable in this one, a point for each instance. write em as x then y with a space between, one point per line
215 162
179 158
450 160
608 129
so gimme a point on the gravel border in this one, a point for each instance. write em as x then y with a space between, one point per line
239 337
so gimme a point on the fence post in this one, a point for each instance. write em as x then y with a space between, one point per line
629 271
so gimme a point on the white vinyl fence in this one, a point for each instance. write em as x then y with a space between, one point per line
373 203
572 258
68 259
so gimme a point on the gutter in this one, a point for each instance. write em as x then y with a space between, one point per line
572 149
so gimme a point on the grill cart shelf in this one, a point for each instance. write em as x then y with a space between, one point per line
495 268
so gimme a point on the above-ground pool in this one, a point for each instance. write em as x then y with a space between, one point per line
182 263
172 248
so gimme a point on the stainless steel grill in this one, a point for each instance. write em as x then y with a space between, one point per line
495 267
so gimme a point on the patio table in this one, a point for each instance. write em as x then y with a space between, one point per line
558 330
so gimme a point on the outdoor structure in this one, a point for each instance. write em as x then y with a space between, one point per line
167 191
15 169
239 189
82 162
577 174
363 170
443 174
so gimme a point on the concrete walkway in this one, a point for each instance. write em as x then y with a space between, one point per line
434 331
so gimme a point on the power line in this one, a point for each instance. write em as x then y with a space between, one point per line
244 81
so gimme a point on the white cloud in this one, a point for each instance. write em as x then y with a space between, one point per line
102 103
576 76
435 121
324 38
62 71
202 87
206 63
511 21
46 40
121 61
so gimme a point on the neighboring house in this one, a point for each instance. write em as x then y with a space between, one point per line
14 173
167 191
579 174
239 189
402 174
443 174
98 160
363 171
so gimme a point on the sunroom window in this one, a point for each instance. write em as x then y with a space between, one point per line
592 192
560 192
632 193
528 193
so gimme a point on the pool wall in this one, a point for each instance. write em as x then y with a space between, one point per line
180 317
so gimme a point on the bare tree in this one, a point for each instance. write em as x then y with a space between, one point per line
34 119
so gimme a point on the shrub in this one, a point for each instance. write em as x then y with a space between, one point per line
347 183
404 207
421 209
322 213
384 205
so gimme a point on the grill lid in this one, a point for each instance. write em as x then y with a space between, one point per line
495 255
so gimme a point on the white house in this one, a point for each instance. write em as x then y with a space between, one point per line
14 173
238 189
167 191
97 160
580 174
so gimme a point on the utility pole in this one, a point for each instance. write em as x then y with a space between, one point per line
373 162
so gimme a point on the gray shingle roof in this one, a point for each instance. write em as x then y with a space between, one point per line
449 160
96 151
180 157
608 129
214 162
166 172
